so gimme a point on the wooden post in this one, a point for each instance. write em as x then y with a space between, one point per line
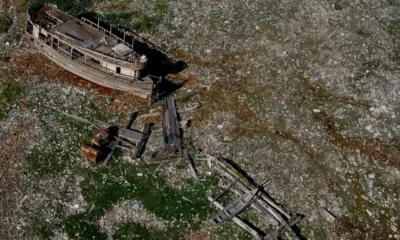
98 23
110 30
124 37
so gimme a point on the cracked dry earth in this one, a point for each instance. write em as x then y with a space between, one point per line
304 93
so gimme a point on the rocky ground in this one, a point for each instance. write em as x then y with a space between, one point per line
303 93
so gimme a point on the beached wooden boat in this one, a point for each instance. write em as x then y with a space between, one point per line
87 49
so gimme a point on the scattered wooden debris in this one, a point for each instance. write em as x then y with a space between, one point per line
109 137
191 165
325 214
172 133
250 195
238 221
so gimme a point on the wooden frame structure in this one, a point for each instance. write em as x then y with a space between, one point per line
249 195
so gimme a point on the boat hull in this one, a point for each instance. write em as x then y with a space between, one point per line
139 88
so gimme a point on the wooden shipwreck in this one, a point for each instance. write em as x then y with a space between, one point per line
248 195
87 49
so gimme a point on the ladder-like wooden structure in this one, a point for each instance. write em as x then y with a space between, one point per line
249 195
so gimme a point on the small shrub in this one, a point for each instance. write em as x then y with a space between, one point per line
5 23
144 23
161 6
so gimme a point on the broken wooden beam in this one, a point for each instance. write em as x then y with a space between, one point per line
232 176
226 190
130 135
284 228
115 145
191 165
237 206
172 133
238 221
262 204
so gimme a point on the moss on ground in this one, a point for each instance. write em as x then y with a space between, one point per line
358 221
136 231
5 23
313 233
231 231
394 32
71 7
128 231
10 94
106 185
51 157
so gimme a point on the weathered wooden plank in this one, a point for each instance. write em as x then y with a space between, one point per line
284 228
263 202
238 221
191 165
226 190
131 135
114 147
141 146
259 208
238 205
260 204
243 187
172 134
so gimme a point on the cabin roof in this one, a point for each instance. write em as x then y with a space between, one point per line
83 35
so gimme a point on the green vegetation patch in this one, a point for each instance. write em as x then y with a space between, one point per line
394 32
5 23
161 6
106 185
132 21
59 150
312 233
230 231
71 7
136 20
10 93
130 231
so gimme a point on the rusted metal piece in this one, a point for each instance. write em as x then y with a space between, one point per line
100 137
90 153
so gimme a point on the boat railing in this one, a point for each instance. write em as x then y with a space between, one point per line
61 35
136 63
107 31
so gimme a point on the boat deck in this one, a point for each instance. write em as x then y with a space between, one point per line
86 35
